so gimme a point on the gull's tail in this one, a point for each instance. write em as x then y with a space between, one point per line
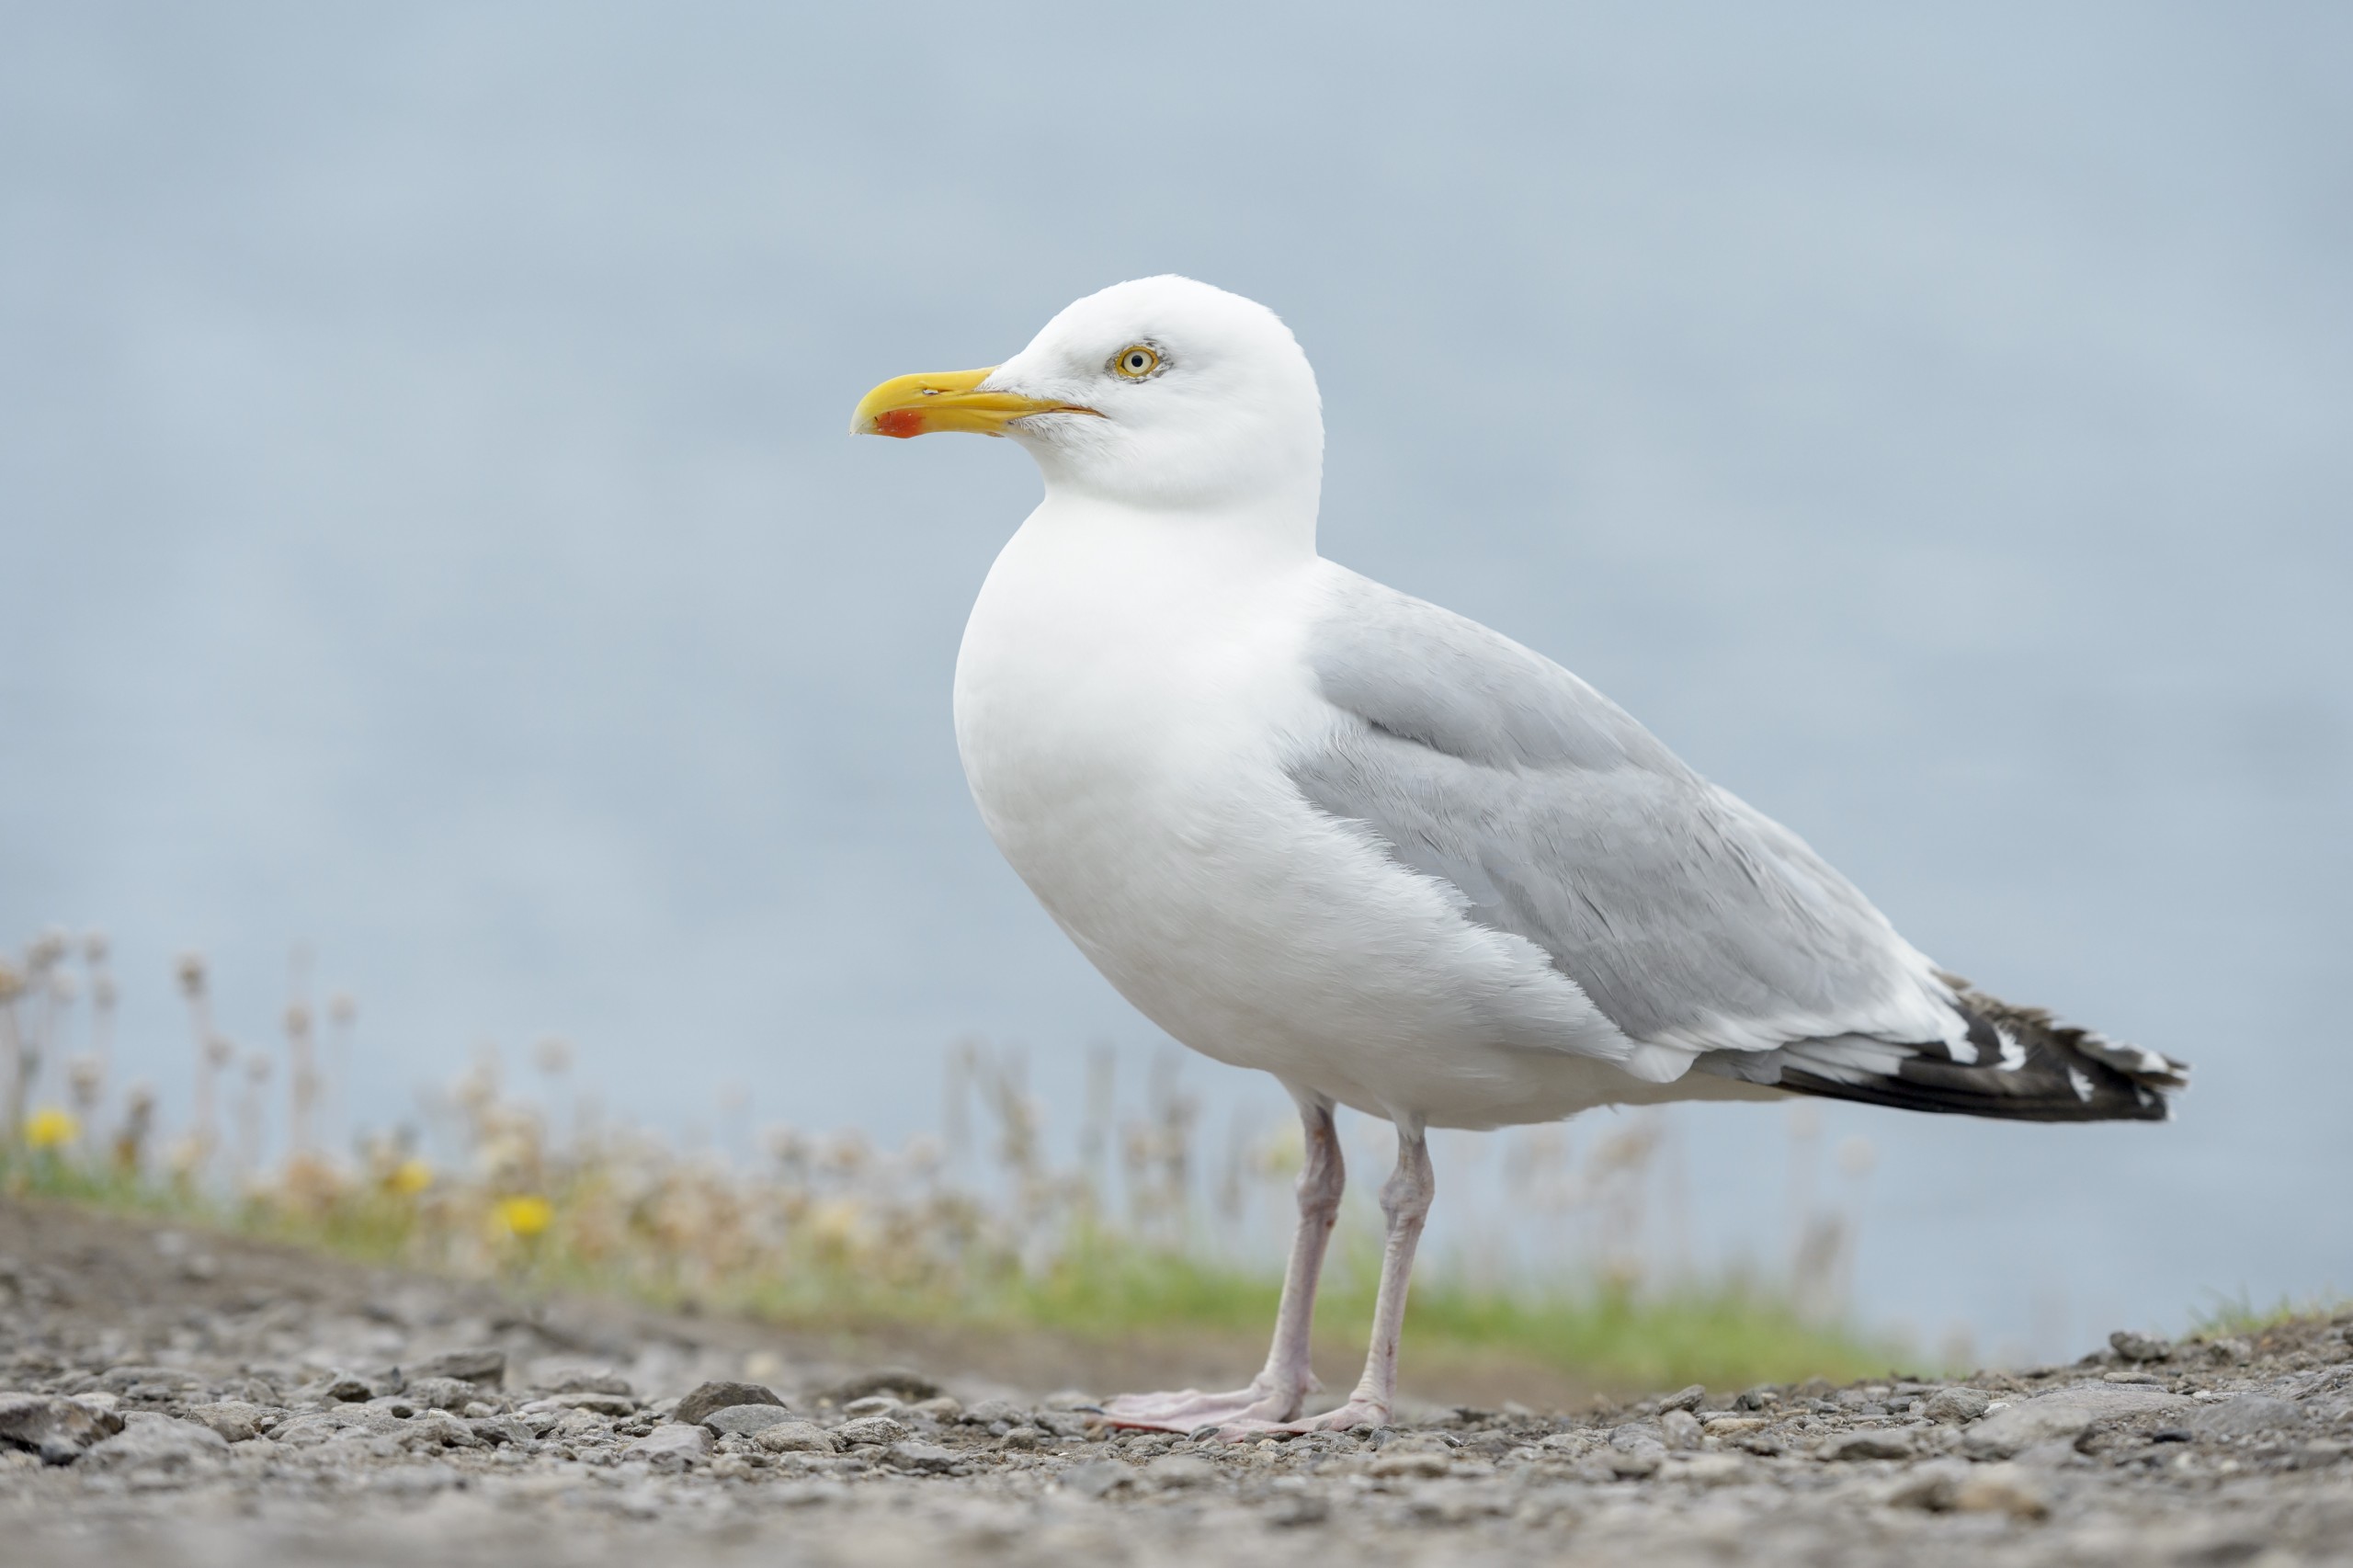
2018 1064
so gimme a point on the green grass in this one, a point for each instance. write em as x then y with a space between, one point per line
1726 1332
2237 1316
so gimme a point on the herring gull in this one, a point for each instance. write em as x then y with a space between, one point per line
1309 824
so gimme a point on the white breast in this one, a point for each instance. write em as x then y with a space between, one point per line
1128 691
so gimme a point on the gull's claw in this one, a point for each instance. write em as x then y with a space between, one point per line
1191 1410
1354 1415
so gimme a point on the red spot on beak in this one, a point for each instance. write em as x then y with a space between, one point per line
900 422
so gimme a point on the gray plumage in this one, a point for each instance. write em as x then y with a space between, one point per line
1688 917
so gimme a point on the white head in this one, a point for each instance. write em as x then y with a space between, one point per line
1161 394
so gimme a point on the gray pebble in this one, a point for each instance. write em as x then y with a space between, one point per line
1875 1443
1096 1478
1177 1471
58 1430
869 1430
1680 1429
675 1442
796 1436
745 1419
710 1398
232 1418
2248 1416
2062 1415
484 1369
920 1456
159 1444
1957 1405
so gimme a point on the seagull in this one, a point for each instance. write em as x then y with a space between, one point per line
1309 824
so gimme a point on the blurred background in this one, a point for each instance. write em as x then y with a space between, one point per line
435 568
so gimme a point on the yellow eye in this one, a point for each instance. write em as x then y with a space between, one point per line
1136 361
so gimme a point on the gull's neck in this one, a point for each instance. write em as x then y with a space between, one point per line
1265 535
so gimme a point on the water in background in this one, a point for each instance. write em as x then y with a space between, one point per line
429 531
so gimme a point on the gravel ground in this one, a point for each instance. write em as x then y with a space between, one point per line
181 1398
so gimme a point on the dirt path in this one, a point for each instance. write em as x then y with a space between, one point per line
179 1399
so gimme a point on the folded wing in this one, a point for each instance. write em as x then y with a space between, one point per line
1706 931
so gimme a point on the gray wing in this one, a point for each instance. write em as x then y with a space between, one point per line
1693 922
1686 917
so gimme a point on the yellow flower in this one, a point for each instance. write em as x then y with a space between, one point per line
52 1129
525 1216
409 1178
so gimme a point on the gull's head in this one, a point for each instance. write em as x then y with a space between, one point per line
1162 393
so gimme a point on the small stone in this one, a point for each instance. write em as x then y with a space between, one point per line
1872 1443
744 1420
1684 1399
676 1443
1732 1426
946 1407
878 1429
899 1382
1935 1486
609 1405
1174 1472
2002 1489
1402 1461
146 1382
438 1429
1022 1438
1680 1429
235 1420
989 1412
59 1430
335 1388
915 1456
587 1379
795 1438
1633 1465
1757 1398
441 1393
2230 1352
505 1430
1957 1405
581 1424
711 1397
484 1369
2139 1346
1096 1478
2062 1415
730 1467
2249 1415
1710 1470
158 1444
872 1404
1634 1452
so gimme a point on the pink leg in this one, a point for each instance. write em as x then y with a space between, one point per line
1276 1393
1405 1201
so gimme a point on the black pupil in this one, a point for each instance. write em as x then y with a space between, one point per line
1135 362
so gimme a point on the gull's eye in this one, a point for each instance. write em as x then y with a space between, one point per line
1136 361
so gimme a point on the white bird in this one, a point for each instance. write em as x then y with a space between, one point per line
1309 824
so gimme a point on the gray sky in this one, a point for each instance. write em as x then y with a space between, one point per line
430 532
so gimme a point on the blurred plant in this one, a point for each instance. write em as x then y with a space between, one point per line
978 1224
525 1216
50 1130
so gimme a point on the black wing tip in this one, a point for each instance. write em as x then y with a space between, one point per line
2028 1066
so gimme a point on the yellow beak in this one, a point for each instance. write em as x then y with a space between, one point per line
950 399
